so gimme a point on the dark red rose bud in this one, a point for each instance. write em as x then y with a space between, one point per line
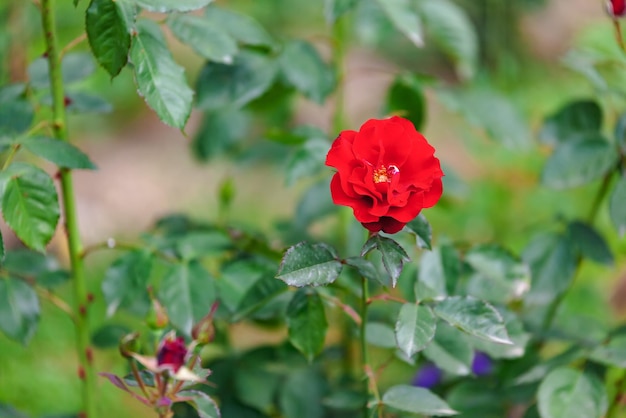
616 8
172 352
386 172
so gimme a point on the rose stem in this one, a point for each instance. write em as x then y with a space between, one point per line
595 207
340 34
364 352
59 126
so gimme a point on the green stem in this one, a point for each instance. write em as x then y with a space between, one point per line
340 35
59 124
593 213
339 39
615 406
365 361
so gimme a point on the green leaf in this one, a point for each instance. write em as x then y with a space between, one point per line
108 35
128 12
568 393
449 27
125 283
159 79
12 92
53 278
365 268
187 293
307 160
199 33
617 203
475 401
334 9
219 133
380 334
575 163
394 256
19 309
59 152
301 394
422 230
570 121
16 117
491 111
309 265
250 75
29 204
27 263
620 133
612 353
109 335
438 273
76 66
304 68
416 400
404 17
204 405
79 102
552 261
236 278
405 97
498 276
314 204
198 244
242 28
475 317
450 350
540 370
415 328
167 6
257 385
306 322
589 243
518 336
258 295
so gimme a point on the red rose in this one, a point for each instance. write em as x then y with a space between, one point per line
387 173
616 8
172 352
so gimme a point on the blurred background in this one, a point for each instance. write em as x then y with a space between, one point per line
525 71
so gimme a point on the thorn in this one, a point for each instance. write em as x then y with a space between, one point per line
90 297
81 373
89 354
82 310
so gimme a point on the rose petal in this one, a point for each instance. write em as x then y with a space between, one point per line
341 154
431 197
409 211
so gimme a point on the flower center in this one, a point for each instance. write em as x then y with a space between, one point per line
384 174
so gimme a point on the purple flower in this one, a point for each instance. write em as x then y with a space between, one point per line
482 364
428 376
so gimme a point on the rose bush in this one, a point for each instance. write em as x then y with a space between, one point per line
386 172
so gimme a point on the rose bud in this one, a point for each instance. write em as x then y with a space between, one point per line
204 331
428 376
129 345
482 364
386 172
616 8
157 318
172 352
